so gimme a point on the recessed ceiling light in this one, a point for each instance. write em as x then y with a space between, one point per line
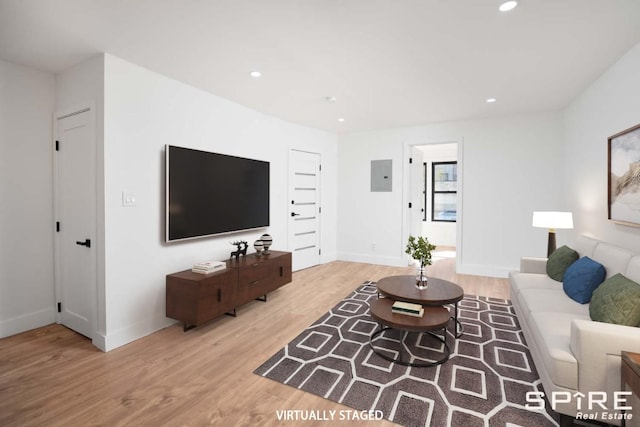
508 5
341 119
255 74
331 99
491 100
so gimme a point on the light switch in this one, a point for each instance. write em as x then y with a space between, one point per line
129 199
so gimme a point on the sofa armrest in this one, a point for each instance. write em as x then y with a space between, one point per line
597 347
533 265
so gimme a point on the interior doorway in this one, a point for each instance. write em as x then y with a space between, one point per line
434 190
75 214
304 208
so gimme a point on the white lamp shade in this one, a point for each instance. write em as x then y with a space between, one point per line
552 220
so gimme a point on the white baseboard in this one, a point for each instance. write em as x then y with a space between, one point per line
461 268
100 341
372 259
26 322
483 270
131 333
325 258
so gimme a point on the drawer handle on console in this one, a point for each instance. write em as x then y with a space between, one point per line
254 265
255 282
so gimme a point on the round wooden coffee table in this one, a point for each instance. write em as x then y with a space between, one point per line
439 293
434 318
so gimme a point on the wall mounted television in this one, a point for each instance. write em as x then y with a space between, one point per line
210 193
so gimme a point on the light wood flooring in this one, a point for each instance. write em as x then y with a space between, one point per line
52 376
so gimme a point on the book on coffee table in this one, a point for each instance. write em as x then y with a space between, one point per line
407 308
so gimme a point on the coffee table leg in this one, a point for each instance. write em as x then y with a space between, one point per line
399 361
459 328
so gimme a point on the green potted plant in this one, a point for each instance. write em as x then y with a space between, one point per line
420 250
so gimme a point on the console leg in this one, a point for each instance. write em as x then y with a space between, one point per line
186 327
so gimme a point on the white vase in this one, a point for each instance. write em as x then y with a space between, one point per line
267 241
258 246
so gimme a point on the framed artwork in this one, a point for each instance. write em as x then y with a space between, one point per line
624 177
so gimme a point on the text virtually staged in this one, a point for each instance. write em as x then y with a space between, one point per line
328 415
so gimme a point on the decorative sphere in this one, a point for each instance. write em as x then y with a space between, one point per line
258 246
267 240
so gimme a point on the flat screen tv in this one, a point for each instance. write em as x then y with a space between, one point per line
210 193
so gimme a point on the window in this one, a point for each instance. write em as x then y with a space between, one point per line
444 191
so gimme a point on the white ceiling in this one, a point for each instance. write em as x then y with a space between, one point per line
389 63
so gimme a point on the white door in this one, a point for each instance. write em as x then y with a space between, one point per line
75 209
304 208
417 196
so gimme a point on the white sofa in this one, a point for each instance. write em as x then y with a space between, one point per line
571 352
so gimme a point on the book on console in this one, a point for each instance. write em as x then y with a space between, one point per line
208 267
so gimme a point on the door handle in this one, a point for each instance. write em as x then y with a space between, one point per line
87 243
295 214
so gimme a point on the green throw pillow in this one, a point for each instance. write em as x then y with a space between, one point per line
559 261
616 300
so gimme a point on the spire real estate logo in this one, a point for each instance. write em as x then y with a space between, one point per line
595 405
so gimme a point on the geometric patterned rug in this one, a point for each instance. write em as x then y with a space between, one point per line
484 383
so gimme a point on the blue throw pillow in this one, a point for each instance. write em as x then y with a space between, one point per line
582 278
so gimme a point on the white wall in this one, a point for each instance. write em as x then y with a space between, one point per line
511 166
610 105
369 223
26 216
143 112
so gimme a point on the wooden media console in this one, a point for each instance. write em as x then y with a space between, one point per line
194 298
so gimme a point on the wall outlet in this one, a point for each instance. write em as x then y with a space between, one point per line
129 199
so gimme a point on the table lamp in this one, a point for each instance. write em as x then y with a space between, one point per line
552 221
